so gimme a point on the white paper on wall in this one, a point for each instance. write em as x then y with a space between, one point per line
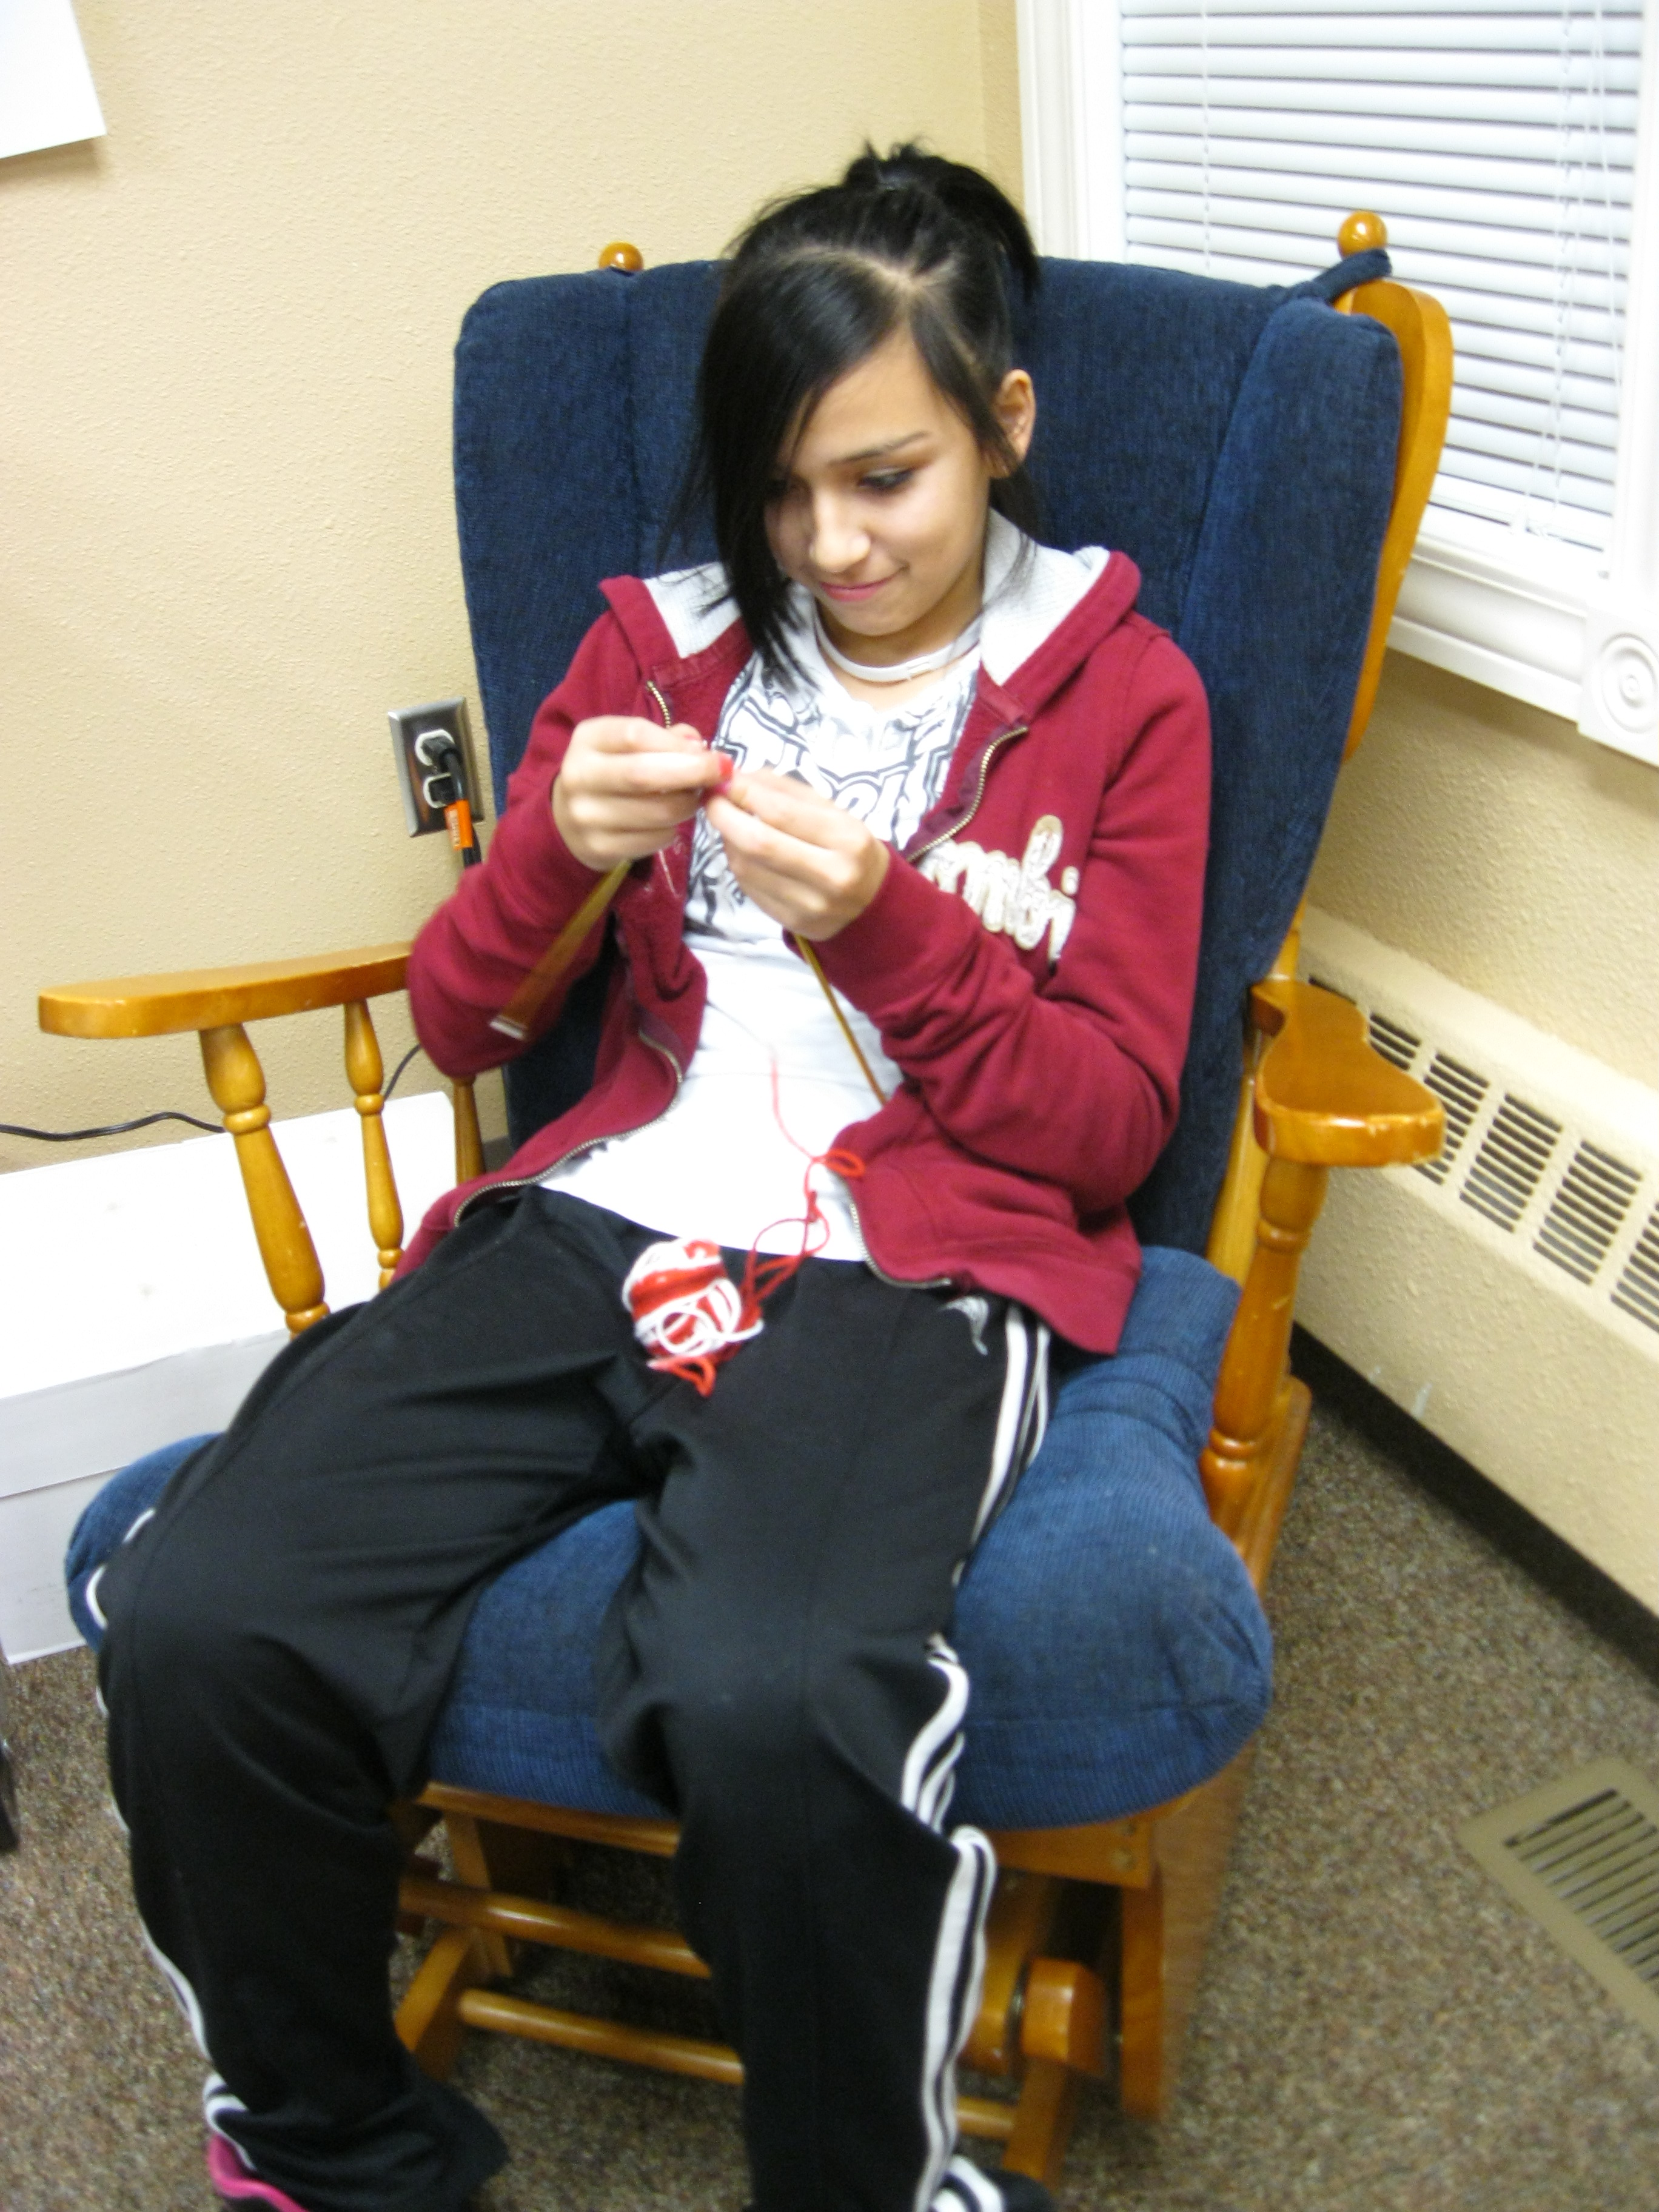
46 95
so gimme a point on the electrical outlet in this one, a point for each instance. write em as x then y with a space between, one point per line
429 745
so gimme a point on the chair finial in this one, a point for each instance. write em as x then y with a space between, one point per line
619 254
1362 231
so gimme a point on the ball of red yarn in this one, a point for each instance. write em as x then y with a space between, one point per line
689 1315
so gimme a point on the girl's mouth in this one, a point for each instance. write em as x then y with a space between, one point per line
849 594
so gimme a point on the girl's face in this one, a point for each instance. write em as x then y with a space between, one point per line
880 508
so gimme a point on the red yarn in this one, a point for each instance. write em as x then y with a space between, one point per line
682 1298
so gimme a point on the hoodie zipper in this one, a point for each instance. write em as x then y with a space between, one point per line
1020 730
894 1282
523 1182
938 1282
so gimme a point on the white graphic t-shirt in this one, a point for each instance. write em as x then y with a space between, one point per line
773 1080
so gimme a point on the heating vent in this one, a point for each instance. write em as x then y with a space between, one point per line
1588 1212
1511 1164
1580 1856
1393 1042
1460 1091
1549 1155
1638 1292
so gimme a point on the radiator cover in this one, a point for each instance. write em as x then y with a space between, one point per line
1507 1294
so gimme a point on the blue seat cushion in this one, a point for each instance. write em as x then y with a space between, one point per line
1117 1652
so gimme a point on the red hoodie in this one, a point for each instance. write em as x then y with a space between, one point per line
1029 961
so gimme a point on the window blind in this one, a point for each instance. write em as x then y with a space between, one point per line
1497 141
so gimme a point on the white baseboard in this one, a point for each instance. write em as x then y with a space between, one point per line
136 1311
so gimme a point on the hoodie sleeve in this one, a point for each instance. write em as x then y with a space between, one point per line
477 948
1075 1079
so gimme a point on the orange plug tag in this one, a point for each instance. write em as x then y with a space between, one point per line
459 816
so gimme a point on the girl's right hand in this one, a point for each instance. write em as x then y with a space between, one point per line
625 786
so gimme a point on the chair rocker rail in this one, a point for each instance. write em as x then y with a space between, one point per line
1042 2020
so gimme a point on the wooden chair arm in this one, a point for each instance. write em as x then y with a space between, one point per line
1323 1097
217 997
216 1003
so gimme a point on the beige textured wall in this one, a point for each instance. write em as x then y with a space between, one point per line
226 542
999 46
1494 841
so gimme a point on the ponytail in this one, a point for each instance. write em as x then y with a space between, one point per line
819 280
963 193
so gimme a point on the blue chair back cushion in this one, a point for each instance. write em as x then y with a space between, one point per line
1116 1650
1237 441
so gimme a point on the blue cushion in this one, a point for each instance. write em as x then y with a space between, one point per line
1117 1652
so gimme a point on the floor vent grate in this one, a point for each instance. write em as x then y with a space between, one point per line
1460 1091
1581 1857
1637 1293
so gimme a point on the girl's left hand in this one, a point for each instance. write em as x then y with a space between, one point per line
808 863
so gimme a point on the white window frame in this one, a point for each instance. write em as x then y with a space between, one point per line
1532 631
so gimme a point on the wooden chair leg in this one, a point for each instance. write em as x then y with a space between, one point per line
472 1867
1164 1930
1142 2089
1043 2121
428 2023
1062 2036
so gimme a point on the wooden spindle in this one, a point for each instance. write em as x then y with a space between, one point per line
469 1143
1253 1368
366 1071
238 1084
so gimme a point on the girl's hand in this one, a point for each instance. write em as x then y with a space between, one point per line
808 863
625 786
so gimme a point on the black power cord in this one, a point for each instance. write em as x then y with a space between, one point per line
114 1128
399 1070
166 1113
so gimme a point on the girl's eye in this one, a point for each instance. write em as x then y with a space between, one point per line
887 479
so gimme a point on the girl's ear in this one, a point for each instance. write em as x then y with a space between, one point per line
1015 407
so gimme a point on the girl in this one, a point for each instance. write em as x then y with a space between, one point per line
913 815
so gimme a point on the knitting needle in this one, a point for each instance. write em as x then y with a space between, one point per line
804 946
518 1016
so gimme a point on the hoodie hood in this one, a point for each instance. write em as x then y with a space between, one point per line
1045 612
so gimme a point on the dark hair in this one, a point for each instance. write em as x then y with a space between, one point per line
814 285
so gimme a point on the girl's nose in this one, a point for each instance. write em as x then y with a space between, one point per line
839 541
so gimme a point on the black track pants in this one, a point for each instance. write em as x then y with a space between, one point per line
282 1632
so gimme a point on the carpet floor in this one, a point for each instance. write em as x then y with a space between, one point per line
1377 2029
